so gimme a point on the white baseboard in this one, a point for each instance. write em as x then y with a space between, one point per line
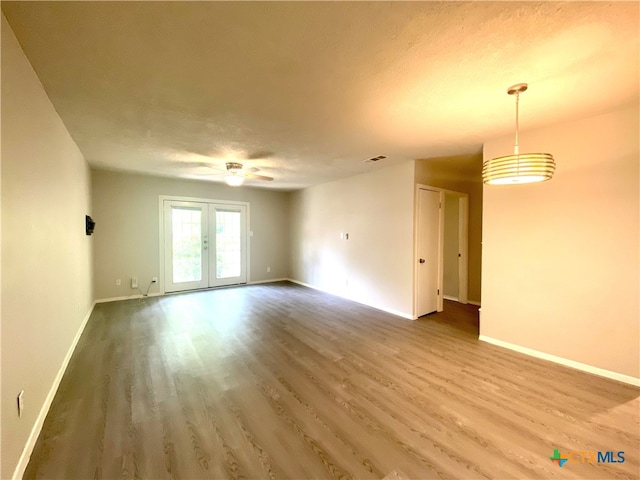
37 426
258 282
388 310
127 297
302 283
159 294
397 313
456 299
563 361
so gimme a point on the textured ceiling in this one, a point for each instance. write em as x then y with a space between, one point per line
306 91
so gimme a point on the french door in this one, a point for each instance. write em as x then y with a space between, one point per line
205 245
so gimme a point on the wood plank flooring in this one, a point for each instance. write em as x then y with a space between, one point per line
280 381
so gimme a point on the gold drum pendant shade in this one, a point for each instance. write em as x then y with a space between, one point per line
524 168
518 168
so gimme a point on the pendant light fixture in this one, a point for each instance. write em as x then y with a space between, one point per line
518 168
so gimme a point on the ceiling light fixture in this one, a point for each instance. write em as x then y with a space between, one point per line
235 174
518 168
234 180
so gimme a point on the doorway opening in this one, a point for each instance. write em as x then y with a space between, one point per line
455 271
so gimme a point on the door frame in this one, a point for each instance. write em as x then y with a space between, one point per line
161 243
463 245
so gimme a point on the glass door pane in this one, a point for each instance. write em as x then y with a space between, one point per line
186 229
228 244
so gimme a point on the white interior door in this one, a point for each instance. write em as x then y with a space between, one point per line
205 245
429 244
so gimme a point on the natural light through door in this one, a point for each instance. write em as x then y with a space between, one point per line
205 245
228 244
186 230
228 224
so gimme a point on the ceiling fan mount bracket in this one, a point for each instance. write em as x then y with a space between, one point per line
234 167
517 88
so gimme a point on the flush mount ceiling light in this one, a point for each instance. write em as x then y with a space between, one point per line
235 174
518 168
234 180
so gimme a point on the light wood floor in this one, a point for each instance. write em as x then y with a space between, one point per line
280 381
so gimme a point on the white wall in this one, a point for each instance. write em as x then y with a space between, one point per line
560 258
127 228
375 265
46 256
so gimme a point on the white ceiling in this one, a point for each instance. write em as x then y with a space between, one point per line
308 90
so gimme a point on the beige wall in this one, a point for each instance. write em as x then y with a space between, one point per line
375 265
444 173
560 259
451 245
46 256
127 228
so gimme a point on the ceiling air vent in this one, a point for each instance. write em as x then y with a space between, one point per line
375 159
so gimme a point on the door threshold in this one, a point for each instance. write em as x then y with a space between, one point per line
218 287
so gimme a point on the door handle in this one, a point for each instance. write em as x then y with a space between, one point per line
422 260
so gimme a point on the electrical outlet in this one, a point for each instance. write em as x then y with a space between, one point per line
118 282
134 282
154 280
20 403
268 269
